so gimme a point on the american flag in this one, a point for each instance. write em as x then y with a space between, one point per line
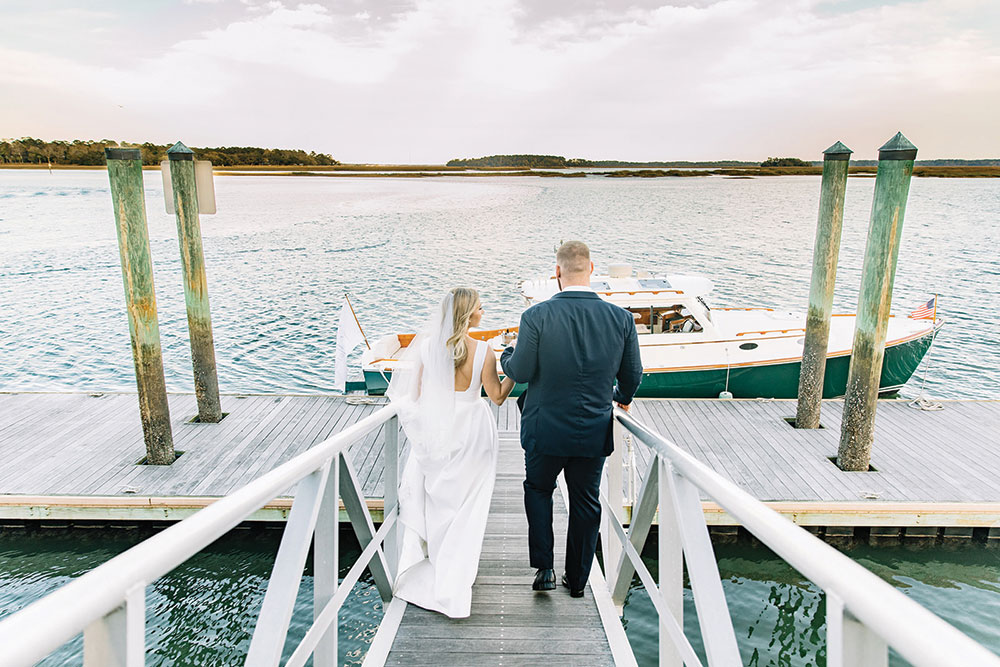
925 311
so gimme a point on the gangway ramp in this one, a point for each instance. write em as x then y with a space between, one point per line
510 624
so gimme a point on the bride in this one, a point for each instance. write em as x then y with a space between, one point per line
447 481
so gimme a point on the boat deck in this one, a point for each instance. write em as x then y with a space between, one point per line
73 456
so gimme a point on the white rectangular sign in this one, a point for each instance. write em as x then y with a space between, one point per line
204 184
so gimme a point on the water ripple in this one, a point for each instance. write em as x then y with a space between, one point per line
281 253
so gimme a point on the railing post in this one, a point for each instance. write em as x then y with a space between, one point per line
206 382
836 160
326 564
849 643
670 563
286 576
118 639
643 513
703 573
390 492
104 643
361 522
610 548
127 196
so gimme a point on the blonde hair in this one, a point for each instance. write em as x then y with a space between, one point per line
573 257
465 301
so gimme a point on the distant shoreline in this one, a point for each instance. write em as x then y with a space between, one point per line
430 171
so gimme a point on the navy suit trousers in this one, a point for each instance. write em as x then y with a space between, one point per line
583 481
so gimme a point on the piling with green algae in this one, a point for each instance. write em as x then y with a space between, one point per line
892 185
185 194
836 160
127 195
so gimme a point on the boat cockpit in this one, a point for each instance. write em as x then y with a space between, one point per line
659 304
674 318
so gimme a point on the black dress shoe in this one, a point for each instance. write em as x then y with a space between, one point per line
573 593
545 580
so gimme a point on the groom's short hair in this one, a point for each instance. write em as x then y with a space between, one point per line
573 257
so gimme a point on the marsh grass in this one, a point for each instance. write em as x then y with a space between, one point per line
421 171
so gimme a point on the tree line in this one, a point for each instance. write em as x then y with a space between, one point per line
560 162
28 150
785 162
528 161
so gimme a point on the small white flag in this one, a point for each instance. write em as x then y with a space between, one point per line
348 337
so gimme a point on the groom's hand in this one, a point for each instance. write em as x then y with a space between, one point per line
626 408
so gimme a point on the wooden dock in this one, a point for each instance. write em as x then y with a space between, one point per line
510 624
73 456
69 457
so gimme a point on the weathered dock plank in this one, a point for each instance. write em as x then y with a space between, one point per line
59 446
510 624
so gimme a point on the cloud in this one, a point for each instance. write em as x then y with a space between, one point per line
433 79
302 41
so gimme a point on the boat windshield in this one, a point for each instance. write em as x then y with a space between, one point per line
675 318
708 310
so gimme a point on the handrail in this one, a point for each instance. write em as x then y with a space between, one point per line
32 633
917 634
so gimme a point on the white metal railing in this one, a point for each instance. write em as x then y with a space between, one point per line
108 603
864 614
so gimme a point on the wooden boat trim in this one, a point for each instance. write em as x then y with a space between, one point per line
634 292
774 362
733 340
745 364
406 339
747 333
707 342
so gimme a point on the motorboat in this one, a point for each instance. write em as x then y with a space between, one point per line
692 350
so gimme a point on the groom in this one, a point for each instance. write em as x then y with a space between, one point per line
571 349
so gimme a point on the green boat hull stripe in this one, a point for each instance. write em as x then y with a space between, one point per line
764 381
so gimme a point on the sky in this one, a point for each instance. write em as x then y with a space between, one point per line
424 81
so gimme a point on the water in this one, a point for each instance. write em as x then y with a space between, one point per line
283 250
203 612
779 616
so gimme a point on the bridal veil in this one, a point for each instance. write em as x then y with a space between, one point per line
423 387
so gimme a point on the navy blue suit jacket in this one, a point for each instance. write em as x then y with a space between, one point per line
570 350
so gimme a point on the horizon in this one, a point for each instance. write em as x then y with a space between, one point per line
423 82
410 164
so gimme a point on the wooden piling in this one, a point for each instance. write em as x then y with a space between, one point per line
892 185
836 159
127 195
185 194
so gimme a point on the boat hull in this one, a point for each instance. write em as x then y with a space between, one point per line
774 380
781 380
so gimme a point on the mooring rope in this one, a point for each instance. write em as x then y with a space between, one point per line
922 402
365 400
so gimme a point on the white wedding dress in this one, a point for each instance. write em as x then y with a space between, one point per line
443 506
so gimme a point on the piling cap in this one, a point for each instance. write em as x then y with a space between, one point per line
180 152
838 151
122 154
897 148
